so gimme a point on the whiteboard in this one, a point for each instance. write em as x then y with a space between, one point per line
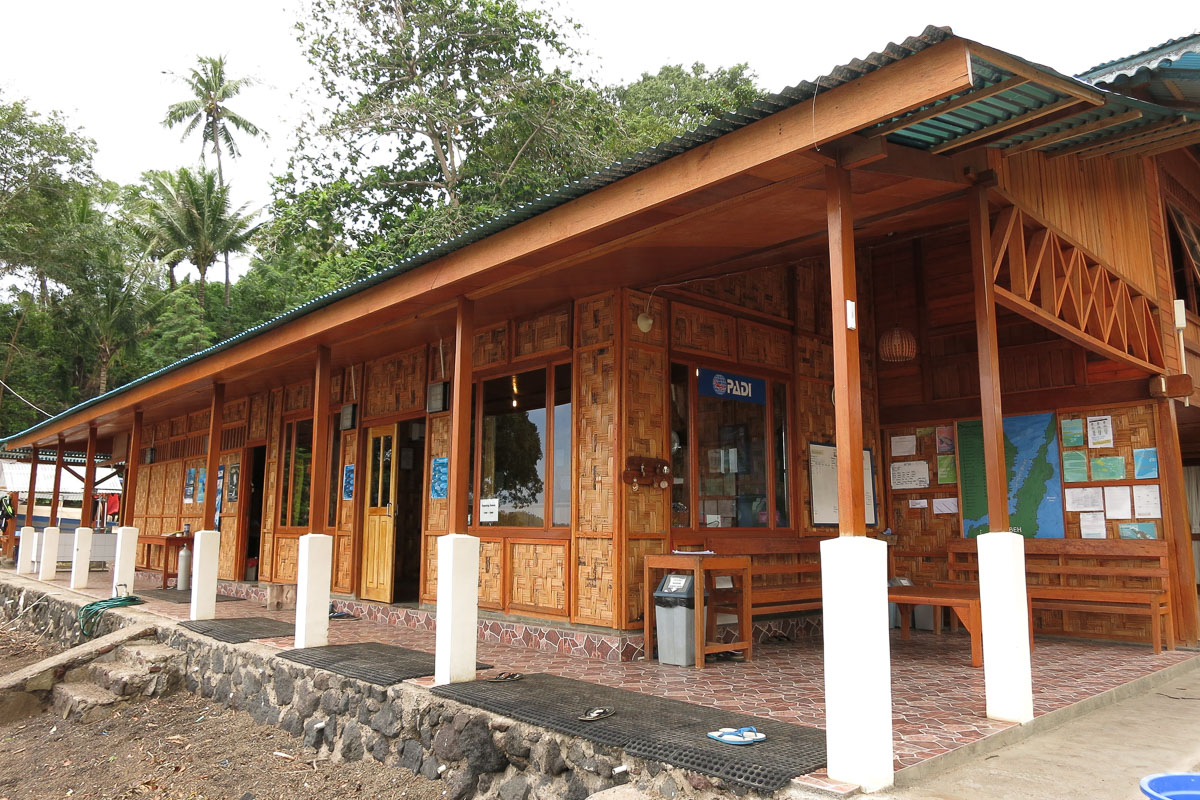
822 475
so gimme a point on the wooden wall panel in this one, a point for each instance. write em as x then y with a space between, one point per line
596 436
763 345
637 303
538 576
395 384
491 562
266 560
441 360
765 291
543 334
646 510
297 397
345 515
343 563
595 321
235 411
595 577
228 566
258 417
696 330
429 556
437 441
287 555
920 550
491 347
636 551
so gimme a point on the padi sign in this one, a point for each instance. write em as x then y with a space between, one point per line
728 386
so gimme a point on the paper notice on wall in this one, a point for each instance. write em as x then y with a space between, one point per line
489 510
1092 526
904 446
1116 502
1089 499
945 505
918 504
1147 504
910 475
1100 431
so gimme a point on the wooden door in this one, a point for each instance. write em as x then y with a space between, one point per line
379 521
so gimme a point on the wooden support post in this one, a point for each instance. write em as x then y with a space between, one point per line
89 480
209 512
58 468
1177 529
460 418
319 494
29 502
132 464
847 379
989 360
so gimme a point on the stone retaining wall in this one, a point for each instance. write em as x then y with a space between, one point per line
55 614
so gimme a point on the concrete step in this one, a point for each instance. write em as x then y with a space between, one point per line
149 653
84 701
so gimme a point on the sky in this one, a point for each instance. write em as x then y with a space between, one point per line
111 67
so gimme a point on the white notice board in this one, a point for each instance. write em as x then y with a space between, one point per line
822 477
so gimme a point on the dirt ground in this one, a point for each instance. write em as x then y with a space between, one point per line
20 649
180 746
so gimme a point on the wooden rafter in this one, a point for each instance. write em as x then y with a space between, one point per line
1008 124
1073 133
972 96
1136 133
1044 276
1185 140
1152 141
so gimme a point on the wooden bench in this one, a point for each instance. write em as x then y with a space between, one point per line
1059 578
803 593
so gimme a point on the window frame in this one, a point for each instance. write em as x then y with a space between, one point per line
287 475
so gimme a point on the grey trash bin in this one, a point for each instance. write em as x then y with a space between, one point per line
675 614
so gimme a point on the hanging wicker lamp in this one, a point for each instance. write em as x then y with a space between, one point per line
897 345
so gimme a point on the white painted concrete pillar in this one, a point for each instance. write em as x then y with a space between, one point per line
858 674
205 557
124 565
49 556
457 609
27 552
81 559
1007 672
314 573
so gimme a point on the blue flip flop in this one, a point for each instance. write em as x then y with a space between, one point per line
746 735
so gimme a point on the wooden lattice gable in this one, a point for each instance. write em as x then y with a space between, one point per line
1044 276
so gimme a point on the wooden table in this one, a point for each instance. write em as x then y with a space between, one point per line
702 567
167 543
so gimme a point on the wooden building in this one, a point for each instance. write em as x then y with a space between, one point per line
668 355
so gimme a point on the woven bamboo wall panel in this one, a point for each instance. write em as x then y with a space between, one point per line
764 345
275 416
814 357
161 431
921 536
1134 428
227 561
157 481
198 422
645 429
635 306
227 554
235 411
438 441
298 396
696 330
544 334
813 297
287 555
596 436
173 488
343 563
491 346
430 556
539 576
351 377
491 561
233 438
636 551
266 560
335 389
345 518
594 580
141 495
258 417
764 290
595 321
441 360
395 384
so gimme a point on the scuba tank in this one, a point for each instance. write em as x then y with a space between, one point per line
183 580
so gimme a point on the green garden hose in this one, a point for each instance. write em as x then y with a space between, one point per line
90 614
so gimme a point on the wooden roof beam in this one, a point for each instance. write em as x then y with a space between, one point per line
1072 133
1174 143
1149 142
1114 141
1059 84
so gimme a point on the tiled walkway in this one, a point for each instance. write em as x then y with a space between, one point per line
937 697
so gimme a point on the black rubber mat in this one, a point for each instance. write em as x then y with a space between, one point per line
176 596
240 629
372 662
653 728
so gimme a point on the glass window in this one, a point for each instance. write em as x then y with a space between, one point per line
297 473
512 487
681 516
779 413
335 485
562 445
731 442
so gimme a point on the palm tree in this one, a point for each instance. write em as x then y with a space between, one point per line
207 110
188 214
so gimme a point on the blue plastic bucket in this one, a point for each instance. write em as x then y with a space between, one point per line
1172 786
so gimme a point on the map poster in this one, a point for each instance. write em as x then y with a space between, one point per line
1138 530
947 471
1100 431
1075 468
1035 492
1072 433
1108 468
1145 463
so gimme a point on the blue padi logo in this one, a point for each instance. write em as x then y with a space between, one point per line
720 385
